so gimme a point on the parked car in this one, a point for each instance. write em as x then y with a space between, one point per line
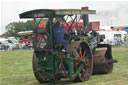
3 45
8 44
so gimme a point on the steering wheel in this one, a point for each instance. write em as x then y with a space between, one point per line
41 41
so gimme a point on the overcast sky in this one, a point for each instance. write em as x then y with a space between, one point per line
108 12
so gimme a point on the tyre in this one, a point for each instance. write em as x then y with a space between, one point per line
35 70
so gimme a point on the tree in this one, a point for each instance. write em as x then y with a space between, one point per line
14 27
29 25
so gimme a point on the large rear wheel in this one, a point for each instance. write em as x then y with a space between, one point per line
83 52
86 72
35 70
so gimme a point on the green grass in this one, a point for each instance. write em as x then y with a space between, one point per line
16 69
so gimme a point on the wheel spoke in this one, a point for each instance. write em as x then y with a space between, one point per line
84 53
80 51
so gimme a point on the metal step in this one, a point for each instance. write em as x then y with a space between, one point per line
111 61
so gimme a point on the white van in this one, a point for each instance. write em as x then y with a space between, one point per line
113 37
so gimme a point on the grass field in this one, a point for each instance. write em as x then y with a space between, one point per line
16 69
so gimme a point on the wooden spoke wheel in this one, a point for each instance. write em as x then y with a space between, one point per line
83 52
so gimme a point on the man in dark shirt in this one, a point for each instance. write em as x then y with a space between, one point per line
58 33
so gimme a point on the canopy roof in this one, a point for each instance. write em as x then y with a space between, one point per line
40 13
25 33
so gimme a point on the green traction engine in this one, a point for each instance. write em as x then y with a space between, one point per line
84 54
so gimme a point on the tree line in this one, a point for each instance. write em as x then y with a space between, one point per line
13 28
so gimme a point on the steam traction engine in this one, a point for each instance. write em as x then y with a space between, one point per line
83 56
